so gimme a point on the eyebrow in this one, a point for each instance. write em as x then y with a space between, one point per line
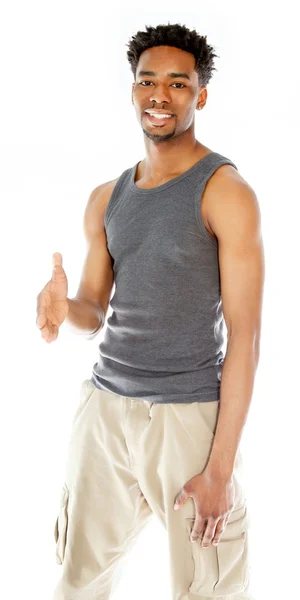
174 75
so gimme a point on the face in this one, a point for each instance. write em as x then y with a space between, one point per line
171 86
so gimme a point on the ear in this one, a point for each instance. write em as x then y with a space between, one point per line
202 97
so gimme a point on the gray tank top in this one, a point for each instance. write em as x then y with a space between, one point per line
164 340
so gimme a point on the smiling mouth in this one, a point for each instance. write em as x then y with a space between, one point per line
158 121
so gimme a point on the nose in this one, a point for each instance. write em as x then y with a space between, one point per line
160 94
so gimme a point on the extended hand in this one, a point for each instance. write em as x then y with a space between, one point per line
214 501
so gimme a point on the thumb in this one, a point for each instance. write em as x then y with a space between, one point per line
58 272
180 499
56 260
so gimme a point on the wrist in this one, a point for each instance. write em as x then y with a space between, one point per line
218 470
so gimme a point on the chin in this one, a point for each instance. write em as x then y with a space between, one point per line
158 137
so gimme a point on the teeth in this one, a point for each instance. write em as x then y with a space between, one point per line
157 116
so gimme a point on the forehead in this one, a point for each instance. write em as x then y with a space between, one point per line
163 59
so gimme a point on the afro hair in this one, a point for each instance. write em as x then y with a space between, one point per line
180 37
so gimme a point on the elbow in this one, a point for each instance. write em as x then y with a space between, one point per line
91 336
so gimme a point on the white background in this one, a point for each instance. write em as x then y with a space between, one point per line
67 125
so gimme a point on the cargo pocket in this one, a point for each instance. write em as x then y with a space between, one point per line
61 526
222 569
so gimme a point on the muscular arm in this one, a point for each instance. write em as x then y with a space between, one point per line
88 308
234 216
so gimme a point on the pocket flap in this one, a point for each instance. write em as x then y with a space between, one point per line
222 569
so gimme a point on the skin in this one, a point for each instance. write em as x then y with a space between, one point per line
231 214
172 149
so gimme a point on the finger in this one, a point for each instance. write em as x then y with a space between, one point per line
45 332
41 318
49 333
53 335
42 305
198 528
219 530
209 532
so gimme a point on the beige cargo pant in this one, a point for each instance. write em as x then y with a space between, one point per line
127 460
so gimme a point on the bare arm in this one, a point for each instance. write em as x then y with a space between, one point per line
234 216
88 308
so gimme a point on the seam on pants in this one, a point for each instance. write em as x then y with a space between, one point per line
124 429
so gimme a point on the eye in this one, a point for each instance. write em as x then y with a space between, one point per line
177 83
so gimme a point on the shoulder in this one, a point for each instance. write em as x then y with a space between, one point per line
96 207
101 195
231 203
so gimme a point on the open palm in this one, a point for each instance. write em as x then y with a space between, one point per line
52 303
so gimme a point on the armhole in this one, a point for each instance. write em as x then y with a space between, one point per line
198 203
111 203
200 221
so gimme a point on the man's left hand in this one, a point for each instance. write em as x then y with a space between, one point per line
214 501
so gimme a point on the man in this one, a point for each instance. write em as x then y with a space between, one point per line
158 425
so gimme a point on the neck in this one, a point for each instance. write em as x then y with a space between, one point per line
172 156
169 161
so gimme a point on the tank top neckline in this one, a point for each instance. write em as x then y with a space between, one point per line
138 190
